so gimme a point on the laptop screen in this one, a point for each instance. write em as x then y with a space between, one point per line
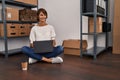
43 46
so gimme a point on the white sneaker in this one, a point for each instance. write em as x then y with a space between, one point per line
57 60
31 60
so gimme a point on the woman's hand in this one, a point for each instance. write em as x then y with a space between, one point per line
31 45
54 43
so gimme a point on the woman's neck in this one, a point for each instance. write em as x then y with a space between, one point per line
42 23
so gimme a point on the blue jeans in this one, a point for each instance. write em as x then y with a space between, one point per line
30 53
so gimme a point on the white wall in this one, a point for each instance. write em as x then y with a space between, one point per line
65 16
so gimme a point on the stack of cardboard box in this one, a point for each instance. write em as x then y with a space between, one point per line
16 30
22 30
99 24
27 15
12 14
72 46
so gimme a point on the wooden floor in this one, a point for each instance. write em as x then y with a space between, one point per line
106 67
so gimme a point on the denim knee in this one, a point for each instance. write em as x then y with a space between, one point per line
60 48
25 49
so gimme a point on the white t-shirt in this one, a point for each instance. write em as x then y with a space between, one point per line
42 33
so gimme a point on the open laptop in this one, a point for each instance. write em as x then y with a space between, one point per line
43 46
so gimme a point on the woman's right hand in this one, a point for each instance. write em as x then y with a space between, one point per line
31 45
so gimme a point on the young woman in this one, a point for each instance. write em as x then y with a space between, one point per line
40 32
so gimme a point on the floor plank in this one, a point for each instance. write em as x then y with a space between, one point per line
106 67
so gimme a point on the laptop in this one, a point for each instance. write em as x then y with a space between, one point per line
43 46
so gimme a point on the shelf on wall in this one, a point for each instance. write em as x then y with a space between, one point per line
21 21
20 4
2 37
91 14
1 21
8 21
12 51
91 52
93 33
105 0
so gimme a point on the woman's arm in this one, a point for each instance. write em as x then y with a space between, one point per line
32 37
54 43
53 36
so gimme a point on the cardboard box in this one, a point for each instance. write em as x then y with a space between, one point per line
10 33
99 28
20 0
12 14
99 24
22 27
72 51
27 15
25 28
99 20
29 27
10 26
22 30
16 30
12 30
72 46
33 2
22 33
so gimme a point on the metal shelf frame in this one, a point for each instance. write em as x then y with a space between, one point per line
92 33
4 21
95 50
12 51
20 22
16 3
91 14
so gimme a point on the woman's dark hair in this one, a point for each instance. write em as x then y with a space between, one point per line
43 11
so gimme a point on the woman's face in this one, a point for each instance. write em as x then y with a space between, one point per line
42 17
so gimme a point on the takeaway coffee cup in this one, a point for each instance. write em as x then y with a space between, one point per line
24 65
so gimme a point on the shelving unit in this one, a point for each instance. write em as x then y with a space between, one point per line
95 50
4 21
